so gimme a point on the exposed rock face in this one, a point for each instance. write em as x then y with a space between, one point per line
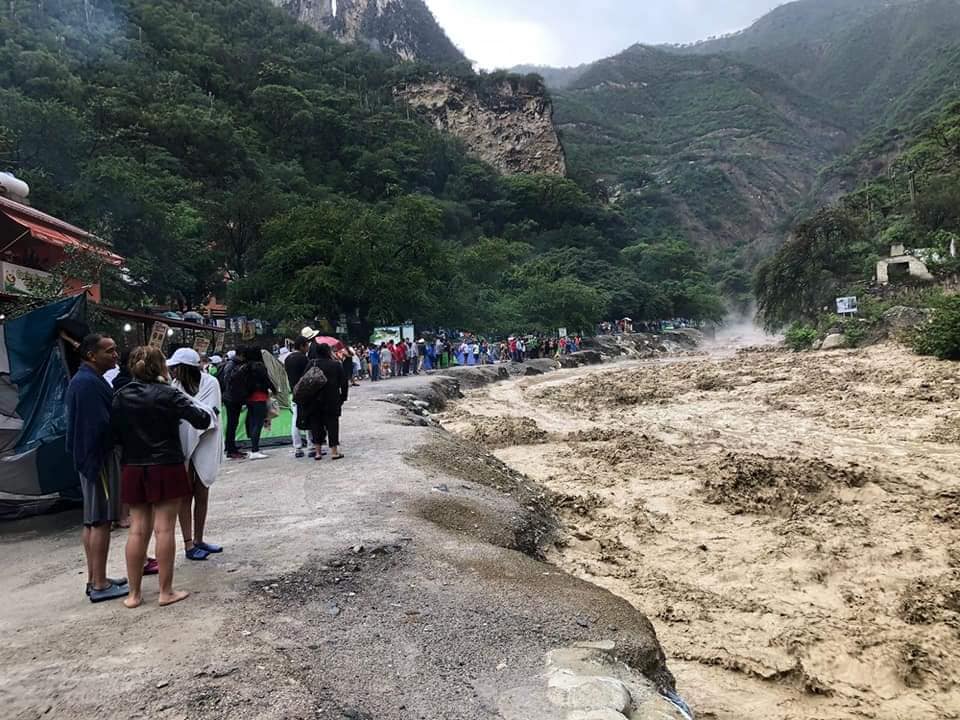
506 122
405 29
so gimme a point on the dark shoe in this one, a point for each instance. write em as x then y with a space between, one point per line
237 456
111 592
112 581
151 566
210 548
196 553
298 454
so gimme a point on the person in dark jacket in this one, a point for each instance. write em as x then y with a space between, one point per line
254 379
90 444
323 410
146 424
233 398
296 365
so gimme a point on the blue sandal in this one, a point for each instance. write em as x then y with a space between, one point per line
214 549
197 553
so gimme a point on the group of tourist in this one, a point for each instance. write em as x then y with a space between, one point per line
147 449
145 436
146 439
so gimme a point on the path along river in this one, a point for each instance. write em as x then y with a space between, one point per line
789 522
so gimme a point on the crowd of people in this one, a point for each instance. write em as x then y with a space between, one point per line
147 439
145 435
403 357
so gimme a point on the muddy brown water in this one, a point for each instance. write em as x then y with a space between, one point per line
789 523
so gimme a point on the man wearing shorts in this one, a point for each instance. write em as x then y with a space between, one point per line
89 442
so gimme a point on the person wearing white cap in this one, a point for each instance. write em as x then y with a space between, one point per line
203 450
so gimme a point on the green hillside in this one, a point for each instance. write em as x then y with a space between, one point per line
728 142
713 149
211 140
915 202
884 60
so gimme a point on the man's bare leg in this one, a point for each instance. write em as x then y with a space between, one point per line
99 544
88 553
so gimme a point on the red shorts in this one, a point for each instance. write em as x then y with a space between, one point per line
153 484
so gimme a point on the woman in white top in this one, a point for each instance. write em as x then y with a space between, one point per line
203 450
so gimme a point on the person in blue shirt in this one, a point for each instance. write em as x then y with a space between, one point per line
375 363
89 401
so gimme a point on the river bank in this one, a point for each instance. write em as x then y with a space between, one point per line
788 522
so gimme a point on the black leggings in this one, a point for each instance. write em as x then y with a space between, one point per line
325 428
256 416
233 422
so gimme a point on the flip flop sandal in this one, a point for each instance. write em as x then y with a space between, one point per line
151 567
197 553
214 549
338 457
114 592
112 581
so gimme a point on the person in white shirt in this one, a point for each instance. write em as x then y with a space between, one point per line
203 450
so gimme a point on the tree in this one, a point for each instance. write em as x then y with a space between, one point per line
825 254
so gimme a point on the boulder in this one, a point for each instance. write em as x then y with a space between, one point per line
834 341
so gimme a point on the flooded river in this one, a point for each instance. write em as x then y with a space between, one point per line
789 522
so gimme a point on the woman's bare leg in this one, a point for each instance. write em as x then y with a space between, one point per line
141 528
165 522
185 516
201 500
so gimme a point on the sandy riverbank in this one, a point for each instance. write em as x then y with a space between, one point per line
789 522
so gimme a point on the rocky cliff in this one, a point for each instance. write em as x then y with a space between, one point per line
405 29
506 121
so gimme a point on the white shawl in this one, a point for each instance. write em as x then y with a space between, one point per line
204 448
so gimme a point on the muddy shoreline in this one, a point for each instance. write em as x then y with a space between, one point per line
788 522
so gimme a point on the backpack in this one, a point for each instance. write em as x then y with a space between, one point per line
310 386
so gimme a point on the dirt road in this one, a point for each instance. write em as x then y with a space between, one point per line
789 522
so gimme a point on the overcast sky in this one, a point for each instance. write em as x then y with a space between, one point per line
503 33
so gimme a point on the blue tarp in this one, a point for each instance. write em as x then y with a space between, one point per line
39 371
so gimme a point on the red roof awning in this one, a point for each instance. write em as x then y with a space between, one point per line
48 229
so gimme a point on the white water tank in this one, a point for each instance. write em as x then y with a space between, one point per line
13 187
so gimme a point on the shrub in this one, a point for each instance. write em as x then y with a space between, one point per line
941 336
800 337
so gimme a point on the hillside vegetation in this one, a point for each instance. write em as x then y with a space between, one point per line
212 141
916 203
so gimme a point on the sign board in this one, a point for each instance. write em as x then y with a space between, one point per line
386 334
158 335
249 330
201 345
393 332
562 332
218 343
17 279
847 306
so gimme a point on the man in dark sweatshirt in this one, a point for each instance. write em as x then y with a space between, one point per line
89 441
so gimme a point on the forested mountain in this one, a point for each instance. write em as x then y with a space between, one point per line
219 140
728 142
